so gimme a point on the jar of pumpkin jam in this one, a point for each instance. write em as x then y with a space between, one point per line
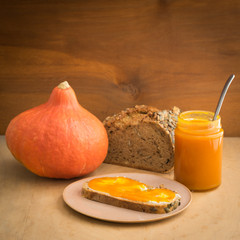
198 150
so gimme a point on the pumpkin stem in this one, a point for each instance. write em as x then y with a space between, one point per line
64 85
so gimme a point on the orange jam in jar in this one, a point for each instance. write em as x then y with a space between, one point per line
198 150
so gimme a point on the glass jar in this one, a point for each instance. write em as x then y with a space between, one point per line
198 150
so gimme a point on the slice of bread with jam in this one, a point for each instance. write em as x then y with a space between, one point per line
131 194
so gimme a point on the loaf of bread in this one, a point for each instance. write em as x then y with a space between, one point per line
142 137
128 196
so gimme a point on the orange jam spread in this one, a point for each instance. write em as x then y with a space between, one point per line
131 189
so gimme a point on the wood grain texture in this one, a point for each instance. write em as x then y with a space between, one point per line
116 54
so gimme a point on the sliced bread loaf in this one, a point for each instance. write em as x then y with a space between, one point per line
142 137
135 196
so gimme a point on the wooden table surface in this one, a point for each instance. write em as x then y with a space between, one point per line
32 207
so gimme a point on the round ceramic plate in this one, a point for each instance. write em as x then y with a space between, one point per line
73 197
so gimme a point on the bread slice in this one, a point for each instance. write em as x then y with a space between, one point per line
142 137
142 206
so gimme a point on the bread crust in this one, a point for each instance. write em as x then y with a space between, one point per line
142 137
148 207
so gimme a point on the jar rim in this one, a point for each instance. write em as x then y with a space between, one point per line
198 120
199 116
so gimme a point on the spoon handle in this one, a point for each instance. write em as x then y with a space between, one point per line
224 91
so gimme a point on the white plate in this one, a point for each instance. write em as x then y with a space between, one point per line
73 197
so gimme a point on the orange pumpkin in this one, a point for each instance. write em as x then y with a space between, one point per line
58 139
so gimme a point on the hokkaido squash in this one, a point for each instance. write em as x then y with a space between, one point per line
58 139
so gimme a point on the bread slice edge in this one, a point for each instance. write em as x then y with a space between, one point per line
147 207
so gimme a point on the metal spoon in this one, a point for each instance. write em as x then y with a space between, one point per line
224 91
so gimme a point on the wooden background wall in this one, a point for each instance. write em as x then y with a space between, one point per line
116 54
